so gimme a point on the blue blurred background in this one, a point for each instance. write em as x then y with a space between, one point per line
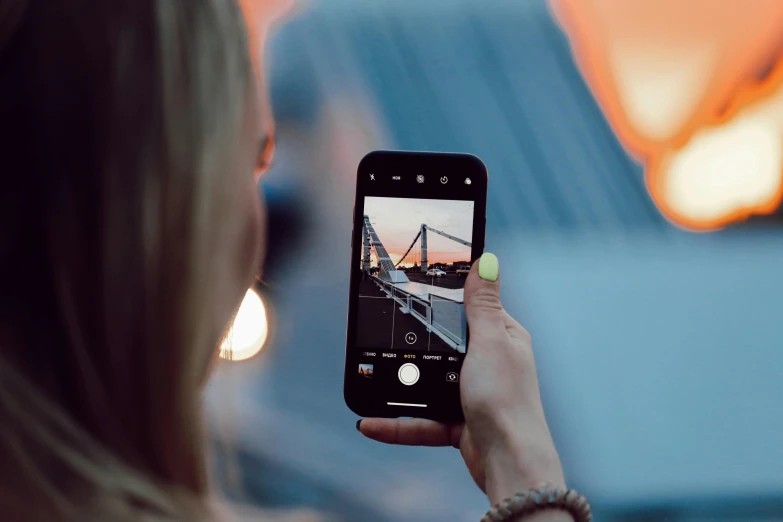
659 351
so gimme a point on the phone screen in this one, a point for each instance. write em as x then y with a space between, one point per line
418 226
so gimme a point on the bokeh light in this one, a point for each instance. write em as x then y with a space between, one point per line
249 331
725 170
693 90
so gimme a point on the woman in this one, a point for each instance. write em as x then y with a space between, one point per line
130 229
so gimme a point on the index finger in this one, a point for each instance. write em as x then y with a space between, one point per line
411 432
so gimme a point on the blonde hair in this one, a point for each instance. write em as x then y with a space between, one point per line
122 121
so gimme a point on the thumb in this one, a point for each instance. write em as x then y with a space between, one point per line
482 290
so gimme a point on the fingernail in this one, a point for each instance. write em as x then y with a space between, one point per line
358 423
489 267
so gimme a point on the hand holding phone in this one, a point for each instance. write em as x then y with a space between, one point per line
504 440
417 311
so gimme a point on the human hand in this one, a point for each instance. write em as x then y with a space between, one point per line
504 440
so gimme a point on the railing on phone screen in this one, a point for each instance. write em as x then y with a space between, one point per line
449 317
443 317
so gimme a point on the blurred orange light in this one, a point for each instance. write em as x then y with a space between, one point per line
260 16
681 84
248 332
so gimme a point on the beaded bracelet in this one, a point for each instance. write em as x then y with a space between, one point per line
536 500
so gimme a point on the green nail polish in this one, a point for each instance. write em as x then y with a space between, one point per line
488 267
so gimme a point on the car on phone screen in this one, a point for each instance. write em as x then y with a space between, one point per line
463 271
435 272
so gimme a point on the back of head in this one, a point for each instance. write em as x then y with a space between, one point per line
120 123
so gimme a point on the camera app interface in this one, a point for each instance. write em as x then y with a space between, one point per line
415 257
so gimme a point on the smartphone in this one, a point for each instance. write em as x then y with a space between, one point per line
418 225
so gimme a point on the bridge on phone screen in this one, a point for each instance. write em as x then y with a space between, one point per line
436 303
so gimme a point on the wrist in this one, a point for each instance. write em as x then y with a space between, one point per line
522 456
509 472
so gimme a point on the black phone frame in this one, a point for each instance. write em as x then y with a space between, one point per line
406 166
